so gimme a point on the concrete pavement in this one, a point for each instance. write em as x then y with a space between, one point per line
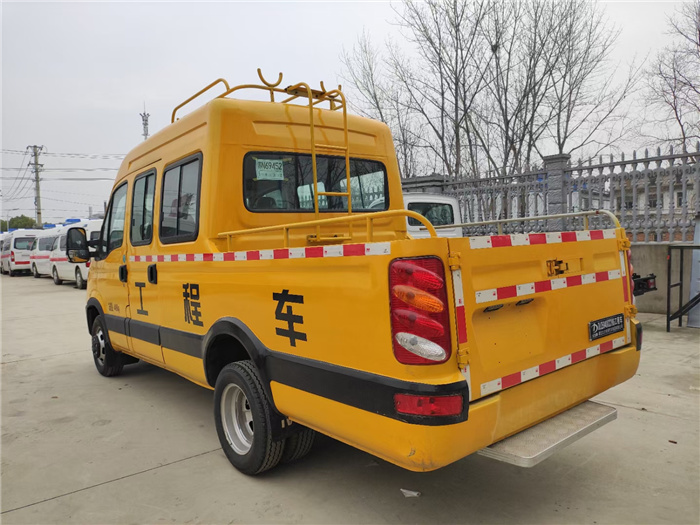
142 448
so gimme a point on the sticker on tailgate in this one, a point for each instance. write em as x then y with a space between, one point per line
606 326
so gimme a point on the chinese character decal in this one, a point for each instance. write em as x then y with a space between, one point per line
288 316
190 293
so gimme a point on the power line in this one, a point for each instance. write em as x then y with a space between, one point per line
21 163
72 155
64 169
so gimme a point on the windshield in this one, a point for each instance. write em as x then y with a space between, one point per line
24 243
283 182
438 213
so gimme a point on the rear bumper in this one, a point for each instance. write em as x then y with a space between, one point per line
419 447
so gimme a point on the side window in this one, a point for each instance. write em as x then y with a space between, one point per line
46 243
34 244
142 210
113 226
54 246
180 203
62 244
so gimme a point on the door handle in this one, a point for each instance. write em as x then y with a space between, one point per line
123 274
152 273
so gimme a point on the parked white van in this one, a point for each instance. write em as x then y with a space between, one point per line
16 247
61 268
440 210
41 252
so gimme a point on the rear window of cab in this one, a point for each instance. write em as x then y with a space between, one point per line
283 182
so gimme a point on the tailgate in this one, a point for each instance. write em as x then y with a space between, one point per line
530 304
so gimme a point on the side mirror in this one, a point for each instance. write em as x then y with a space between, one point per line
77 246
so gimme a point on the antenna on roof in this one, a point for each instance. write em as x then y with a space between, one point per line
144 121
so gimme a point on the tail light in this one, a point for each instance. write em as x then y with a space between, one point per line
87 264
420 325
12 256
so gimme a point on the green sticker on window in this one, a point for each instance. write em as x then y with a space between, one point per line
266 169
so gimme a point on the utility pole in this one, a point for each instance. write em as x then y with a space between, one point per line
36 150
144 121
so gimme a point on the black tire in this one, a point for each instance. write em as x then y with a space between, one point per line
12 272
56 279
298 445
35 272
248 444
79 281
108 362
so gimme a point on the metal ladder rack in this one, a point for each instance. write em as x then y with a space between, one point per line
336 100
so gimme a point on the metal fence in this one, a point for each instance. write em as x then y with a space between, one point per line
656 198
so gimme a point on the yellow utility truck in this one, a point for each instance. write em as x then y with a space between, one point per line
240 250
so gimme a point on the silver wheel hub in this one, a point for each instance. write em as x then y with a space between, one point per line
237 419
99 346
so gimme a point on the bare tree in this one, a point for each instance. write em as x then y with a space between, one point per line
673 86
381 99
485 85
588 108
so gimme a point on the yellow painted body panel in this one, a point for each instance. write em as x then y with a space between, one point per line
346 299
425 448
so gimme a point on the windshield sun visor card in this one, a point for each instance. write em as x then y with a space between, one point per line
269 169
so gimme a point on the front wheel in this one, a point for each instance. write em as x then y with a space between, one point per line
108 362
56 279
242 415
79 281
35 272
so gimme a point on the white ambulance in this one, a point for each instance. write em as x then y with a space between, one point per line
61 268
16 247
41 252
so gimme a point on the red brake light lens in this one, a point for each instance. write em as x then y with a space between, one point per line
428 405
411 273
420 326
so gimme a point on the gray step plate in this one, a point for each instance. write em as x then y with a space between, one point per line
532 445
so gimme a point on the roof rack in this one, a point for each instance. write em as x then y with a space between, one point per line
336 100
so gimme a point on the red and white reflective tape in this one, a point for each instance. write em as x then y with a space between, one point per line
530 239
460 314
39 257
310 252
550 366
520 290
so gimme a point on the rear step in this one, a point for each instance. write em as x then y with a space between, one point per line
529 447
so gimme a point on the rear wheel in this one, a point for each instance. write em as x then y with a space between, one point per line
79 281
108 362
56 278
35 272
298 445
12 272
242 414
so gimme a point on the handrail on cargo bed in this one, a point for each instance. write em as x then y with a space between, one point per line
500 222
367 217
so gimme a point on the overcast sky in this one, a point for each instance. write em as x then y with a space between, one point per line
75 75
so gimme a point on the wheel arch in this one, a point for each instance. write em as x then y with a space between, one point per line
230 340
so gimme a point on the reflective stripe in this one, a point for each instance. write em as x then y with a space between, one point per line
528 374
310 252
518 290
531 239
